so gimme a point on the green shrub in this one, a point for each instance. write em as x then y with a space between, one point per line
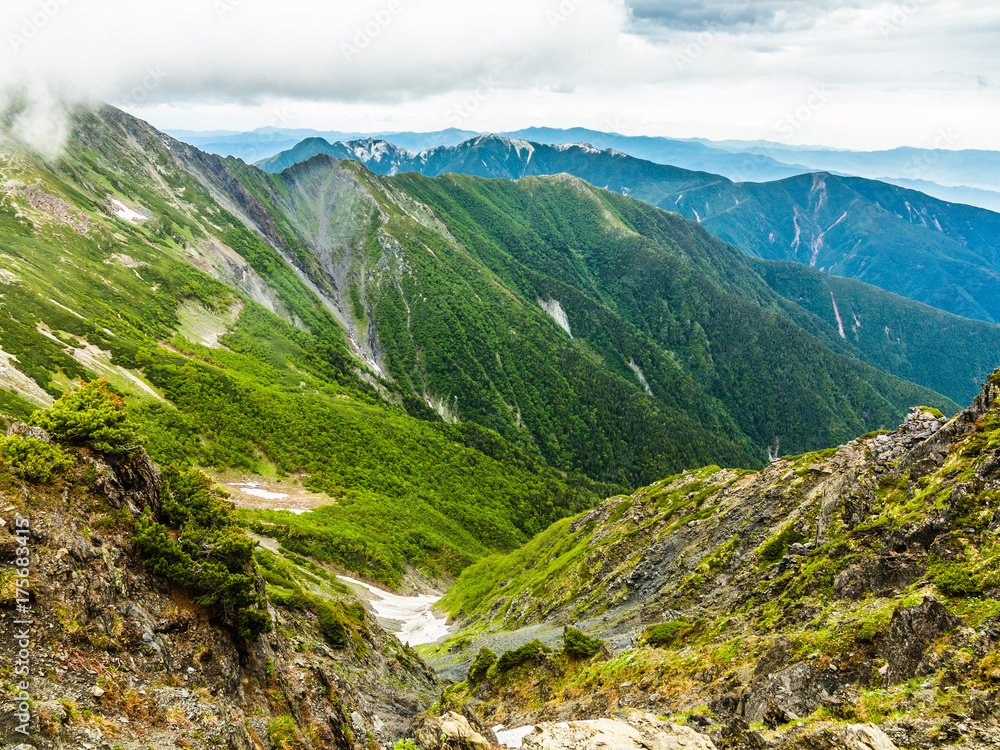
578 645
954 580
32 459
405 745
91 415
519 656
665 634
212 555
484 660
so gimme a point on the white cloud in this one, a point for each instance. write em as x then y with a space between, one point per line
716 68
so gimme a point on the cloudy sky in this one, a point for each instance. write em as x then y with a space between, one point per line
847 73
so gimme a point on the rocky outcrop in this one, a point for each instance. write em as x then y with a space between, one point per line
825 585
121 657
20 429
911 631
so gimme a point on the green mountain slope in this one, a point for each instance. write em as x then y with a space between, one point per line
217 378
434 354
943 254
647 301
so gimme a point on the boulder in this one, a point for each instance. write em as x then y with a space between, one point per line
911 630
639 731
451 731
129 479
848 737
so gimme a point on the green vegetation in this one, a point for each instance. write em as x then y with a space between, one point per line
32 459
275 395
283 734
91 415
483 661
577 645
516 657
776 547
212 555
666 634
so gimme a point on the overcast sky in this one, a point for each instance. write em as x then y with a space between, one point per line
846 73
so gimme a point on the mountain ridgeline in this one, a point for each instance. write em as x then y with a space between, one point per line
457 361
939 253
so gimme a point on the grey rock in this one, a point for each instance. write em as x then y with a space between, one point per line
22 430
638 731
911 630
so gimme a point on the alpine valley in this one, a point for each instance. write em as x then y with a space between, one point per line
225 387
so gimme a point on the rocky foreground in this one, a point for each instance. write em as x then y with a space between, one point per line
119 658
854 586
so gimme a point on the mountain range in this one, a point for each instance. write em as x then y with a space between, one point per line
957 176
942 254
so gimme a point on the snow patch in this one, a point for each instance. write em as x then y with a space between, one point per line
514 737
418 622
556 312
252 488
124 212
840 323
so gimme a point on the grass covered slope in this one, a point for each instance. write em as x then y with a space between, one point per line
249 370
855 584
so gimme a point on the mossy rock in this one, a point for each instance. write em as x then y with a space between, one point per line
516 657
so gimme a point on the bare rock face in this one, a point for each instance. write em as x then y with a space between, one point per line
911 630
129 479
863 737
639 731
883 575
451 731
22 430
